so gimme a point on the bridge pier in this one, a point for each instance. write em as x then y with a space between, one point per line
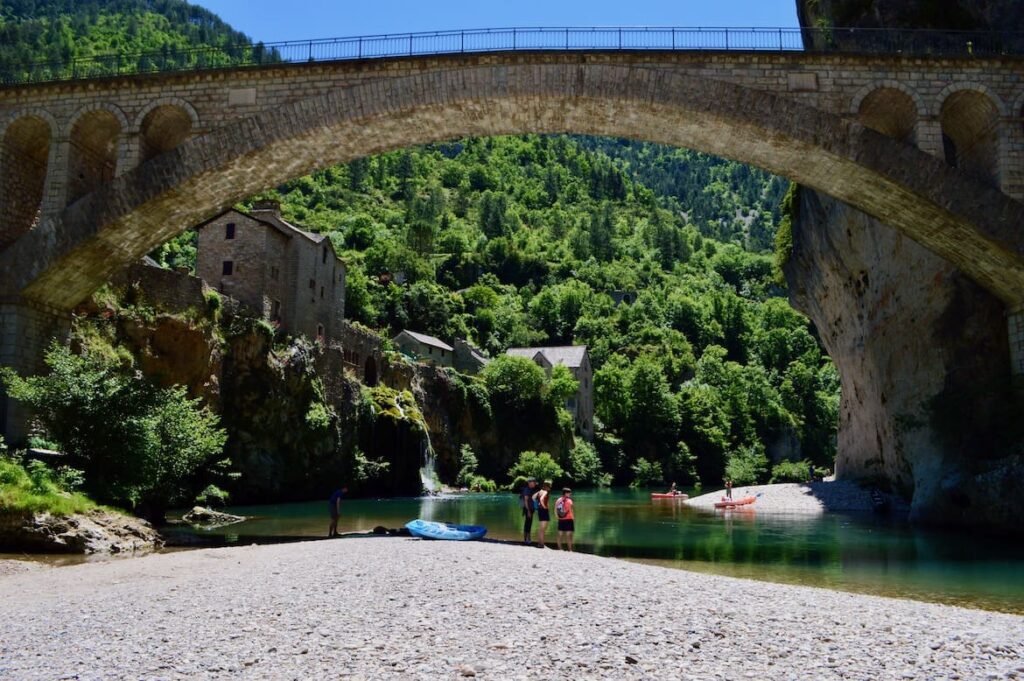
26 329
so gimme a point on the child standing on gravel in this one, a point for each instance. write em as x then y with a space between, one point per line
566 518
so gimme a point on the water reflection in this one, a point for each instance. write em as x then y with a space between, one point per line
865 554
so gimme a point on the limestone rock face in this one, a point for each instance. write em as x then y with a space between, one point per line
954 15
923 356
95 532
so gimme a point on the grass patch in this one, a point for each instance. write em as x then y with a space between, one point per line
34 488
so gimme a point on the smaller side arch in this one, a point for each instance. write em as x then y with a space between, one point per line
858 98
976 87
26 157
891 109
970 117
182 104
96 148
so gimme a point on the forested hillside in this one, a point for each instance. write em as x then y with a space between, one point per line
534 240
56 30
656 258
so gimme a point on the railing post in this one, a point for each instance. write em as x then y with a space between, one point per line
673 38
726 39
513 39
360 48
462 41
410 44
780 40
310 50
620 38
567 38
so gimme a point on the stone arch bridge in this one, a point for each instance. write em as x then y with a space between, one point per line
95 173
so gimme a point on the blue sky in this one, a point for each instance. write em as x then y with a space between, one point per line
273 20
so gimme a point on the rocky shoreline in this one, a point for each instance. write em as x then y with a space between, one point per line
814 498
382 607
94 532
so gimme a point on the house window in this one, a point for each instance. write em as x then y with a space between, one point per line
321 293
312 284
227 268
319 330
229 230
274 273
430 350
323 260
275 309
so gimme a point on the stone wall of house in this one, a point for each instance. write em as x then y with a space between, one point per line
164 288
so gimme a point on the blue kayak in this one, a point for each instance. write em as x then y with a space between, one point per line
428 529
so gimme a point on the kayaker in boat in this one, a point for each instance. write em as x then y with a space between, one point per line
541 499
566 518
526 501
335 507
672 490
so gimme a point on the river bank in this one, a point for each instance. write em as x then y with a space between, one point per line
389 607
813 498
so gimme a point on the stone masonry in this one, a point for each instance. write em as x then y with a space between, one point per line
817 119
288 275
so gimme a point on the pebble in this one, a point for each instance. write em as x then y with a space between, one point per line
395 608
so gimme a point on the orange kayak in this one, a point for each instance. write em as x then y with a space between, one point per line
726 502
662 495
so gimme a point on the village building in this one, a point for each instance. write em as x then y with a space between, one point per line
424 348
469 359
577 360
292 277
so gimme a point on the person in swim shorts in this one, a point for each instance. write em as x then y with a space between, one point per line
566 518
541 499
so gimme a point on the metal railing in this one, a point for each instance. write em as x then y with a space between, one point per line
813 40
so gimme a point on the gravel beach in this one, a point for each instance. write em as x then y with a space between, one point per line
799 498
378 607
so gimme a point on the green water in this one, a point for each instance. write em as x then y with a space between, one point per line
852 553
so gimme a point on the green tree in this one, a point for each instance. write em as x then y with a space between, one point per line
538 465
513 382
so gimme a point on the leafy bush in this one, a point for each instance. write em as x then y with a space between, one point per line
214 304
748 466
585 466
537 465
513 381
646 473
791 471
135 443
212 496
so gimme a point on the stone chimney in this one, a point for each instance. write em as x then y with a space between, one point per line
270 205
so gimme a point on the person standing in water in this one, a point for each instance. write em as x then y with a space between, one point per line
335 507
526 501
541 498
566 518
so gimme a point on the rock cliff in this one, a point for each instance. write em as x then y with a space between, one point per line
927 405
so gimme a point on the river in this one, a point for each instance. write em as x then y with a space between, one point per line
863 554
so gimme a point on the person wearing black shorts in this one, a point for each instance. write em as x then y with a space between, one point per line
541 500
566 518
526 501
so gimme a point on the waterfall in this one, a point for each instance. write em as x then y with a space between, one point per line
428 476
428 473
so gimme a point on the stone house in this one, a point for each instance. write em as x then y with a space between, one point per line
469 359
577 360
292 277
424 348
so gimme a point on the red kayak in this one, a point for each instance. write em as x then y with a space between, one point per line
662 495
726 502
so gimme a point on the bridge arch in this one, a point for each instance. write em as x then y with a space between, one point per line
905 187
969 116
890 108
26 156
162 125
96 148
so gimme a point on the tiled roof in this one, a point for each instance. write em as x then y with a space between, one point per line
566 355
428 340
271 218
